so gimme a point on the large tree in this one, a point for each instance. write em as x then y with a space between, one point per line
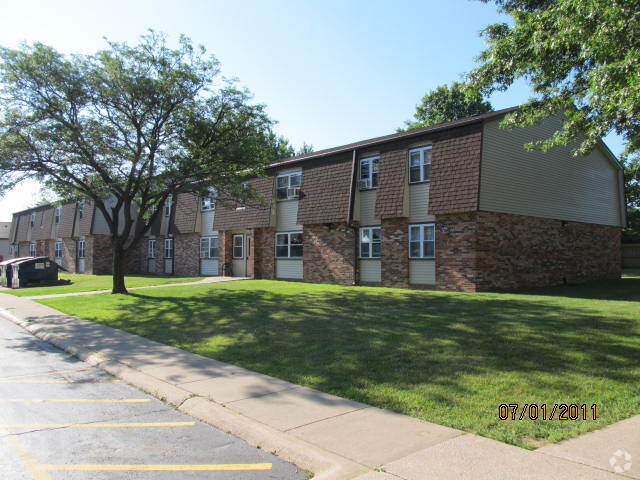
631 163
126 127
581 57
447 103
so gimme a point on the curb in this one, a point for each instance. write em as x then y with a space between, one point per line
323 464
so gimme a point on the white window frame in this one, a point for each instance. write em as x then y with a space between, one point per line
32 249
234 246
370 242
424 163
168 248
207 247
80 209
292 191
58 214
208 202
81 247
367 182
57 249
422 228
151 248
168 205
32 219
288 245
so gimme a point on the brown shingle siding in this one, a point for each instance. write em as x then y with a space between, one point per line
254 215
87 218
14 228
44 222
67 219
391 183
23 227
185 213
325 190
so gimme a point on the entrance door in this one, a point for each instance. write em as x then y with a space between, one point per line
168 256
239 258
80 249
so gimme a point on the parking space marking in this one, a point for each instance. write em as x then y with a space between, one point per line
55 372
160 468
29 461
73 400
57 381
98 425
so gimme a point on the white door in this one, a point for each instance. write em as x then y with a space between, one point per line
239 258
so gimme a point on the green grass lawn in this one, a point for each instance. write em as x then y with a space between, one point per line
449 358
87 283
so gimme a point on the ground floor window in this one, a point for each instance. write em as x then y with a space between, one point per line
209 247
81 245
238 246
32 249
168 248
289 245
422 240
370 241
151 248
58 249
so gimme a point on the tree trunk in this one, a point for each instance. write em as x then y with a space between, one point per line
118 270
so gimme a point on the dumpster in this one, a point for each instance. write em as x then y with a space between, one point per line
5 270
35 271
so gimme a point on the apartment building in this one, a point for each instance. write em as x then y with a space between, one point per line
73 234
457 206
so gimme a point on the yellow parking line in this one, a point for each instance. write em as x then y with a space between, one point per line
58 381
71 400
26 458
165 468
49 373
98 425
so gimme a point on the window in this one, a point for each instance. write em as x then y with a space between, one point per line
238 246
81 245
167 205
58 249
422 241
32 222
80 209
57 214
420 164
168 248
289 186
32 249
289 245
369 172
370 240
151 248
242 205
209 247
209 201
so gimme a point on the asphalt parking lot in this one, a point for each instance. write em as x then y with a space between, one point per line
60 418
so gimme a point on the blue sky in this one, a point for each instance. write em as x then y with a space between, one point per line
330 72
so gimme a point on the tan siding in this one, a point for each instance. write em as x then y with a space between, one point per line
287 215
554 184
289 269
370 271
419 203
207 223
367 207
422 272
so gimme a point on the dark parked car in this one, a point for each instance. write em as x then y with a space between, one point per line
34 271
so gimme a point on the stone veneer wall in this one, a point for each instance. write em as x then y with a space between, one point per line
394 252
186 254
515 251
264 240
329 253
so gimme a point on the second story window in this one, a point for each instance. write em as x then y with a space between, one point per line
32 222
242 205
80 209
168 204
151 248
58 213
420 164
209 201
369 172
289 186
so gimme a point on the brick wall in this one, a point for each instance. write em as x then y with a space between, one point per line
264 253
329 253
99 258
394 252
516 251
186 255
456 265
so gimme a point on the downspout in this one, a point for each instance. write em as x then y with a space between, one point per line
352 193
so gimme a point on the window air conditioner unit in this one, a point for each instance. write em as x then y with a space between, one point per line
293 192
365 183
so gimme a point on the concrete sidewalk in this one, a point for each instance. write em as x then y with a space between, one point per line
331 436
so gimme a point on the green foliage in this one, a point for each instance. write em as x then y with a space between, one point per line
631 163
582 58
447 103
305 149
